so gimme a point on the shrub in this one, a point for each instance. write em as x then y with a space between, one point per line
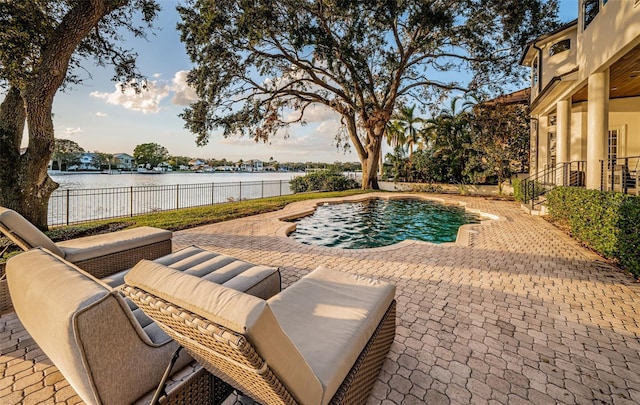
518 195
322 181
607 222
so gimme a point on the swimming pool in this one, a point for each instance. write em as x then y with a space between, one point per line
380 222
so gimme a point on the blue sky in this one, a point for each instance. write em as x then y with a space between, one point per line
99 117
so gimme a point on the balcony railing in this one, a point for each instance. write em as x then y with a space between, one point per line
621 175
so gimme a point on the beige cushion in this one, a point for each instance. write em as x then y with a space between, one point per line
237 311
330 316
18 225
259 281
77 250
86 329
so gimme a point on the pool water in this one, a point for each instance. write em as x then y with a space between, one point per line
377 222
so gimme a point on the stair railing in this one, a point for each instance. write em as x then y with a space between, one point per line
560 174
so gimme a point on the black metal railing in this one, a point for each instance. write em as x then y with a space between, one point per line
71 206
560 174
621 175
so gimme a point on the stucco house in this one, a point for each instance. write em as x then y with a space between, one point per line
124 161
585 97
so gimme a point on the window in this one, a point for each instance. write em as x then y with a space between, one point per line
612 148
560 47
591 9
534 72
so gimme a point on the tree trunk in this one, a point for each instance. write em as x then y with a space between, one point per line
12 118
25 185
371 161
370 173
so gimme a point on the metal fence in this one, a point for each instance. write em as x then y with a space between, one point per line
72 206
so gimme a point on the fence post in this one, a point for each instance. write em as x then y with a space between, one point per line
131 201
262 195
623 175
613 174
68 206
213 193
177 196
280 188
240 191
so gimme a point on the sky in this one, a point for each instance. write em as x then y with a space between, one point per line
99 117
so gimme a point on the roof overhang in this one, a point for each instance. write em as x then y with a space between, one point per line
556 87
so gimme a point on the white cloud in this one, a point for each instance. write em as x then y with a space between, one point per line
147 101
71 131
157 75
101 114
314 113
183 93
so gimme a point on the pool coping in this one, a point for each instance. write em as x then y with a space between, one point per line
304 208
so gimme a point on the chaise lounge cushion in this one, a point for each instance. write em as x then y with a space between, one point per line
329 316
238 312
257 280
89 247
24 230
86 329
310 334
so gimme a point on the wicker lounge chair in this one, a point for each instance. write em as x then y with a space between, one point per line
107 349
100 255
322 340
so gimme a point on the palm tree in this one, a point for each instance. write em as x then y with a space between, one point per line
395 134
407 120
447 136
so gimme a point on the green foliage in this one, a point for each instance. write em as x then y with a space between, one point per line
518 195
607 222
426 188
29 27
325 180
485 144
500 138
150 154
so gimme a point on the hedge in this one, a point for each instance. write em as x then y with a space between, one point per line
608 222
325 180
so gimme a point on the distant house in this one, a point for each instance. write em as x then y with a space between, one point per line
253 165
87 161
585 96
124 161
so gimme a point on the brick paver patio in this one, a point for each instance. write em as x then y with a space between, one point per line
519 314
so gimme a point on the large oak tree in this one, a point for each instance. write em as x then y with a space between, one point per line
257 61
42 45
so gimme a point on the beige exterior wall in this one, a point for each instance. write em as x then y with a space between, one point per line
560 63
625 114
614 31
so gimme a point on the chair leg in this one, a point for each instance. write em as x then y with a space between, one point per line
161 390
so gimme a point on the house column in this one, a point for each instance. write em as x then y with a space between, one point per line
543 142
563 130
597 125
